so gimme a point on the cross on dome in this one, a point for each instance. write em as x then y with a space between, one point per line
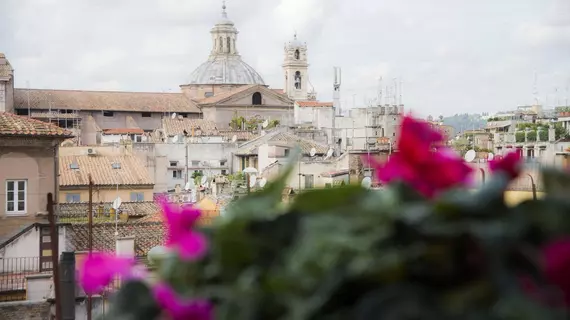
224 13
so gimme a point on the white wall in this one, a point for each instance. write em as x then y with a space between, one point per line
22 254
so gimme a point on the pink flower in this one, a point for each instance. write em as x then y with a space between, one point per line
556 259
98 270
427 170
510 164
178 308
191 245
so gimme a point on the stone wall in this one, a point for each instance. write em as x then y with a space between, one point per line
28 310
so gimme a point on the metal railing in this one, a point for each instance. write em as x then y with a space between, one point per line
13 274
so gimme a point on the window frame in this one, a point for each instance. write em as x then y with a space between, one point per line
108 114
67 195
139 196
16 199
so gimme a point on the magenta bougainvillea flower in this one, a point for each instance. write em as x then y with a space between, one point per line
509 164
556 263
181 309
98 270
417 163
191 245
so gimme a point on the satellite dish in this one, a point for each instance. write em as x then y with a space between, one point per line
234 138
117 203
490 156
470 155
173 116
252 181
262 182
313 152
187 186
249 170
175 139
203 180
366 182
265 123
330 153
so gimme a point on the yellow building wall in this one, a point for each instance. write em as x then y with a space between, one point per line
513 198
107 194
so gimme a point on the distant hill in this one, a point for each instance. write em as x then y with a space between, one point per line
462 122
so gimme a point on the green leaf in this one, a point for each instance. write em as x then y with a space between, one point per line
134 301
556 182
323 200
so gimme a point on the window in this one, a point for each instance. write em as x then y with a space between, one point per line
173 163
72 197
108 114
224 172
222 163
177 174
195 163
137 197
22 112
146 115
256 99
16 196
286 152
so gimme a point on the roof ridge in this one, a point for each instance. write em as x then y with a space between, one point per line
101 91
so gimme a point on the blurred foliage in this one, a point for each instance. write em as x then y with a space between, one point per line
354 253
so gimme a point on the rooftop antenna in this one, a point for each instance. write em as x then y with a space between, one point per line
28 94
336 90
395 93
401 91
380 91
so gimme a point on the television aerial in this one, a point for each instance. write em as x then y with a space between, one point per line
265 123
262 182
234 138
366 182
203 180
313 152
470 155
252 181
490 156
173 116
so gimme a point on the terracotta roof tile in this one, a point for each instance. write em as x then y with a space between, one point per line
242 135
147 235
132 171
75 212
103 100
314 104
177 126
13 125
223 95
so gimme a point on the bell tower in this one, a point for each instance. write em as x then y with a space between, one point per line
296 69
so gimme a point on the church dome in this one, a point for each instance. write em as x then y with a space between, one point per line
225 70
224 66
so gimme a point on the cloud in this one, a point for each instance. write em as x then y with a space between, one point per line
453 56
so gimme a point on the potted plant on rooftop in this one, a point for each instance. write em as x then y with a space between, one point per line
422 248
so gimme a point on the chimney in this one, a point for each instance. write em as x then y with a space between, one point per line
125 247
67 284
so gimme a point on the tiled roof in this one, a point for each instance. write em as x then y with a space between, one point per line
223 95
284 137
177 126
74 212
5 67
124 131
103 100
132 171
241 135
147 235
314 104
13 125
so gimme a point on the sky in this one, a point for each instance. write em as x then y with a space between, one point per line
451 56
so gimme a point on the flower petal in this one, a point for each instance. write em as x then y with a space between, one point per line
178 308
98 270
192 246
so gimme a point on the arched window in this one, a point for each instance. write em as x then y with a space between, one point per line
229 45
297 54
256 99
298 80
221 45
